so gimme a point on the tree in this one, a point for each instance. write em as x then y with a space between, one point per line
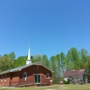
58 64
6 63
45 60
88 68
62 55
20 61
12 56
83 54
55 68
37 58
72 59
32 59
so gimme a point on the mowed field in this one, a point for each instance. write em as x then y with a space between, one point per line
53 87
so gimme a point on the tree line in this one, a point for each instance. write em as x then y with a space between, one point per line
59 63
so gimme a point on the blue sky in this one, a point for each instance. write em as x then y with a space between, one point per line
49 26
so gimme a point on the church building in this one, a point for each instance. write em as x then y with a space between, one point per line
31 74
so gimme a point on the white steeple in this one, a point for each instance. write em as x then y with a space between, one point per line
28 60
29 53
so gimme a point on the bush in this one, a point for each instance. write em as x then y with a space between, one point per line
66 82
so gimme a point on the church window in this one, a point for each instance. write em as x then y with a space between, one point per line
47 75
25 76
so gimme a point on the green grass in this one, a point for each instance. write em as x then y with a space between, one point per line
52 87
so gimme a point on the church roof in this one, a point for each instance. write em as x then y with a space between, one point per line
74 72
22 67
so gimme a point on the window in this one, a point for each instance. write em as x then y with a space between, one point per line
25 76
47 75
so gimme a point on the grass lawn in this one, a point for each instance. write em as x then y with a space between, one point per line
53 87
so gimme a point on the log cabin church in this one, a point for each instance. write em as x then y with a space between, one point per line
31 74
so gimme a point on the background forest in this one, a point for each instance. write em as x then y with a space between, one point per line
59 63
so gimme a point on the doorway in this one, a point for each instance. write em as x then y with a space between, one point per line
37 78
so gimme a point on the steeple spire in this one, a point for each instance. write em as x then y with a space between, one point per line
29 53
28 60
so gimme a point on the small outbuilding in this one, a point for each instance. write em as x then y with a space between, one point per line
76 76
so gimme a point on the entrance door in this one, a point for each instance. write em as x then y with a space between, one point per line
37 78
